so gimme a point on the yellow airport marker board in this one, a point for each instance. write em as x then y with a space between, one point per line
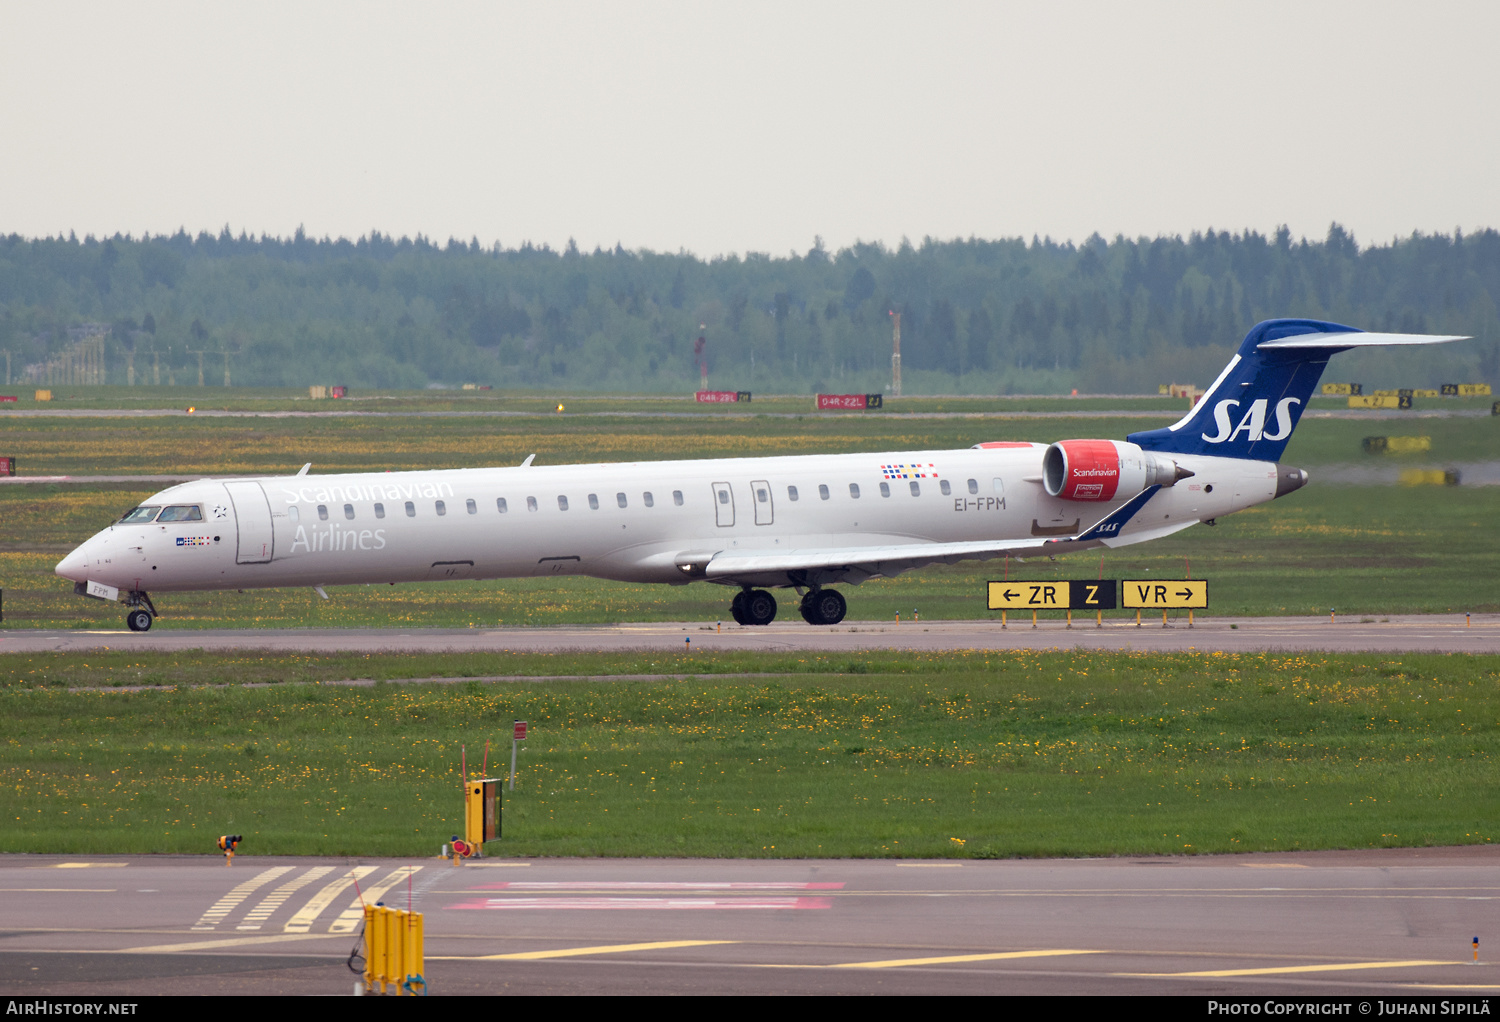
1380 401
1157 594
1092 594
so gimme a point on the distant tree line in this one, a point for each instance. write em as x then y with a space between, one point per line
977 316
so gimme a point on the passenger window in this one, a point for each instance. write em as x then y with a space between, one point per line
442 508
973 485
677 497
379 510
593 502
854 490
947 490
762 496
885 489
182 513
647 499
791 493
916 488
620 499
140 515
531 503
349 511
1000 486
291 512
411 510
472 507
724 496
501 506
562 502
822 491
322 512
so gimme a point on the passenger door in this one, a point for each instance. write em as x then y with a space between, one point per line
252 514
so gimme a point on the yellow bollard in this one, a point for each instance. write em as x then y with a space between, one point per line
374 949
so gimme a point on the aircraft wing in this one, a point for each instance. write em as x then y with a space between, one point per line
856 564
853 564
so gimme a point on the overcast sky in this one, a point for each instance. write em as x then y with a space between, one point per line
727 127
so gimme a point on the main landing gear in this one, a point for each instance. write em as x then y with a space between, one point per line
753 607
141 612
758 607
823 607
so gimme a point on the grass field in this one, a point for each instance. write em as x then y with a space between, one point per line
961 755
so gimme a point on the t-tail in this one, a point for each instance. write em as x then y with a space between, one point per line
1252 408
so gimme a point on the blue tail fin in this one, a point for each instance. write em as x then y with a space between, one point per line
1252 408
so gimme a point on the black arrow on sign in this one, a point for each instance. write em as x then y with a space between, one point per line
1185 593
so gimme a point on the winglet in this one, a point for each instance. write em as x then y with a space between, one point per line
529 459
303 470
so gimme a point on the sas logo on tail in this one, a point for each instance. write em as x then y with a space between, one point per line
1253 423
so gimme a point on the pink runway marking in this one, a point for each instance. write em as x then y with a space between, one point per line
647 904
649 885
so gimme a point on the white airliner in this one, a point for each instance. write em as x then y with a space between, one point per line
755 524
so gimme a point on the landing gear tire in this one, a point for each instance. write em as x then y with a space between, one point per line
737 608
138 620
823 607
758 607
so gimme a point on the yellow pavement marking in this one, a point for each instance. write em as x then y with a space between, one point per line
929 865
302 921
351 916
494 865
1273 865
894 962
80 865
1276 970
165 949
603 949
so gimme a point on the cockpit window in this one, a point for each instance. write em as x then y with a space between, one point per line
140 515
182 513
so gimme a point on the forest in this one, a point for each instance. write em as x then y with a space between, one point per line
977 316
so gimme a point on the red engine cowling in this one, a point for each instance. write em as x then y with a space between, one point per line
1099 470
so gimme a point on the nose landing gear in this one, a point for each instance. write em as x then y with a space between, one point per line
753 607
141 612
823 607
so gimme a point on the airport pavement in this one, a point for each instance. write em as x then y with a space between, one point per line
1377 923
1451 633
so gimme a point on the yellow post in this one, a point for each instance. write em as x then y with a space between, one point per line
374 948
1164 619
1137 619
416 966
1098 619
1033 619
1190 619
1002 619
1070 617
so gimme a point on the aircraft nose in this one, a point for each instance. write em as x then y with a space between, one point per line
74 567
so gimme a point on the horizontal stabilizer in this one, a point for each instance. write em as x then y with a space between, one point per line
1355 340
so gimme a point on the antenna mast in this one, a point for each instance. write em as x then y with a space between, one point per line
896 356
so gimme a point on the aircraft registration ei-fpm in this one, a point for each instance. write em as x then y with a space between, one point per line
806 522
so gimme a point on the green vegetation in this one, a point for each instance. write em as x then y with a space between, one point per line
886 754
992 316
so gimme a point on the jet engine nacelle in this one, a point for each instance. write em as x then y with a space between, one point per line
1104 470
